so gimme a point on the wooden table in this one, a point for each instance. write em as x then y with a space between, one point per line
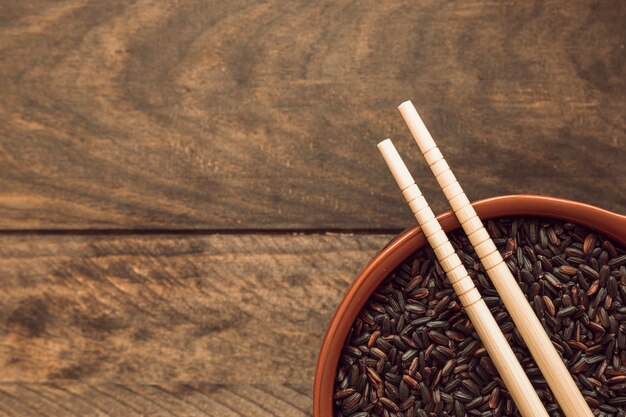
170 173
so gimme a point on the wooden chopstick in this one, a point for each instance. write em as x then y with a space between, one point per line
567 394
516 381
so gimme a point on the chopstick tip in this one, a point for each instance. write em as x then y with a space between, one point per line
384 143
397 167
406 104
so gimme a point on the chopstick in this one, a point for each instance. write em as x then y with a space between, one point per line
511 372
567 394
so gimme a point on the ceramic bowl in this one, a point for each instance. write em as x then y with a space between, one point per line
609 224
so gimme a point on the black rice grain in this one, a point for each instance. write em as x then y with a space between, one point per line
412 351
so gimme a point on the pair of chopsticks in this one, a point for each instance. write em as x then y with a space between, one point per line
547 358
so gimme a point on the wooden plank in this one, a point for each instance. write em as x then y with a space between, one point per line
249 114
71 399
168 325
174 310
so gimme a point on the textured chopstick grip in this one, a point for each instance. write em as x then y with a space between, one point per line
550 363
496 344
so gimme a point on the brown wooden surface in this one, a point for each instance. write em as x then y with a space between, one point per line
244 114
132 132
135 324
79 399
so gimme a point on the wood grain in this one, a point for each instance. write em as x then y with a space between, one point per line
171 310
207 114
68 399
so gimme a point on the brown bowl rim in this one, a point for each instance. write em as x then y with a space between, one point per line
609 224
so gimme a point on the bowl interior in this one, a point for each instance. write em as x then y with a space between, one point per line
401 247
